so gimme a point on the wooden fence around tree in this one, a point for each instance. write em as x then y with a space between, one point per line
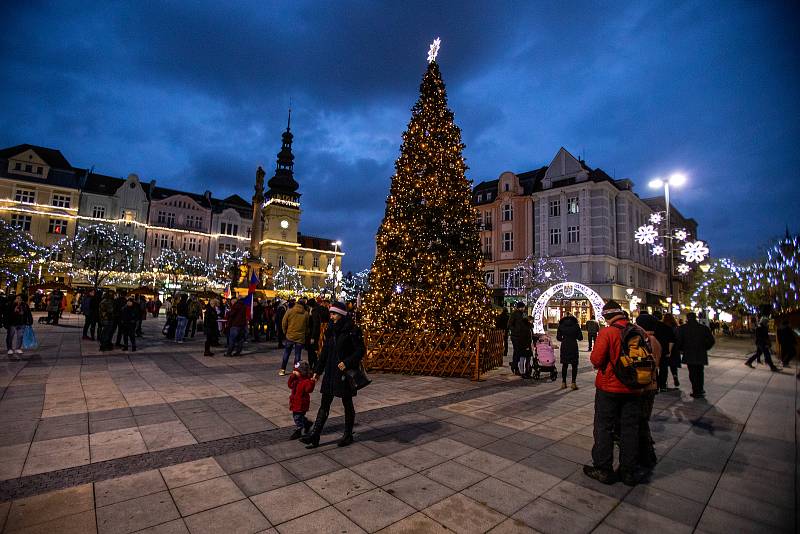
457 355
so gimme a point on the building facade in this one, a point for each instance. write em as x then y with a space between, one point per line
580 215
123 202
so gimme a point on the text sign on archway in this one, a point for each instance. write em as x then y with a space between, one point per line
568 289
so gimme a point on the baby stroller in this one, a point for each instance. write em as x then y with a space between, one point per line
544 360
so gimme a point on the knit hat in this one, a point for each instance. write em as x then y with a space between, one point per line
612 309
647 321
303 368
338 307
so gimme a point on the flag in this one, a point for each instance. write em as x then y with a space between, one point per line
251 289
227 293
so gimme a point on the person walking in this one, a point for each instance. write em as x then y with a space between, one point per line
614 404
647 454
319 317
54 306
141 303
128 318
294 324
210 326
280 312
343 350
763 344
520 330
119 304
17 316
236 326
501 323
106 317
90 305
192 315
665 334
569 333
592 328
694 340
156 306
787 342
302 383
182 315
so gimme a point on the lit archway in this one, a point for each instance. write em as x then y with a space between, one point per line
569 289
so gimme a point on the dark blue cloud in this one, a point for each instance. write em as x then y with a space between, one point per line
194 94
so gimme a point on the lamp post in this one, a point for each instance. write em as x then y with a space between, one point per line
676 180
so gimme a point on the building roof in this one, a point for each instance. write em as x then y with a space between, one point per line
161 193
317 243
107 185
235 202
61 173
53 157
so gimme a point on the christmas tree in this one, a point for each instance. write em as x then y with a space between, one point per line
427 275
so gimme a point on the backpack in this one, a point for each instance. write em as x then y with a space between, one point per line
635 367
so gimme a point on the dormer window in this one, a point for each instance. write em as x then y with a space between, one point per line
488 196
480 197
506 186
61 201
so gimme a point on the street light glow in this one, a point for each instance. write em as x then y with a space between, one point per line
656 183
677 179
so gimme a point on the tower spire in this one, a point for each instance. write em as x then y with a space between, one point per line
282 184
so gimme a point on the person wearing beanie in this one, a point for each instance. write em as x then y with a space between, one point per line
342 350
694 341
647 453
614 404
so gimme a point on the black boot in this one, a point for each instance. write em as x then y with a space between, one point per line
296 434
346 440
312 439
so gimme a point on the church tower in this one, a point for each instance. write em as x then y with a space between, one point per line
281 208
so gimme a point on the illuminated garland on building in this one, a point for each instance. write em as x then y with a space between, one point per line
428 270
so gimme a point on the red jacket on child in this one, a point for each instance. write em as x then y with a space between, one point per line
301 386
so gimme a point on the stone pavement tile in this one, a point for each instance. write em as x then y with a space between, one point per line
240 517
418 523
551 518
499 495
684 479
386 444
286 450
14 452
472 438
116 413
49 506
617 491
104 425
191 472
287 503
116 444
128 487
514 422
355 454
464 515
11 468
82 523
484 462
264 478
166 435
339 485
382 471
527 478
418 491
608 529
513 451
634 520
569 452
454 475
417 458
47 431
774 488
497 431
716 521
136 514
155 418
549 432
242 460
59 445
580 441
529 440
447 447
554 465
176 526
210 433
326 520
310 466
512 526
584 501
669 505
204 495
374 509
756 510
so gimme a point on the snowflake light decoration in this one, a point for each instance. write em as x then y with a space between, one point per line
433 51
655 218
694 251
684 268
657 250
646 234
681 235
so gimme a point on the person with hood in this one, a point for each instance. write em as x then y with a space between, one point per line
521 339
615 405
343 350
294 325
694 341
763 345
569 333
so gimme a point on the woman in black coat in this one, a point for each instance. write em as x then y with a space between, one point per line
342 350
569 333
210 326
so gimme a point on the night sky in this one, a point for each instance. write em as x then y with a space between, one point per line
194 95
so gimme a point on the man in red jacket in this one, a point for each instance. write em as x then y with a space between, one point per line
614 403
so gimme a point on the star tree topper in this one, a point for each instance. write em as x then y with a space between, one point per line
433 51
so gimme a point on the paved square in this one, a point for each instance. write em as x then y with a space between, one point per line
166 440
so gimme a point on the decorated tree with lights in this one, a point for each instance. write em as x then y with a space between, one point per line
178 266
726 286
288 280
780 275
355 284
227 269
18 253
533 275
100 253
427 274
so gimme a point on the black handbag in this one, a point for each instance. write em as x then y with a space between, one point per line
357 378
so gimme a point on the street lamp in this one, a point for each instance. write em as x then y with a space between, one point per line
675 180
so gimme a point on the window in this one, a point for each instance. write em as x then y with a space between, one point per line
281 261
505 275
488 197
315 262
487 245
61 201
128 215
489 278
555 208
25 195
229 229
99 212
487 220
572 205
508 241
555 236
57 226
505 186
248 232
164 241
190 244
480 197
28 168
226 247
573 234
195 221
301 260
40 170
508 212
23 222
17 166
